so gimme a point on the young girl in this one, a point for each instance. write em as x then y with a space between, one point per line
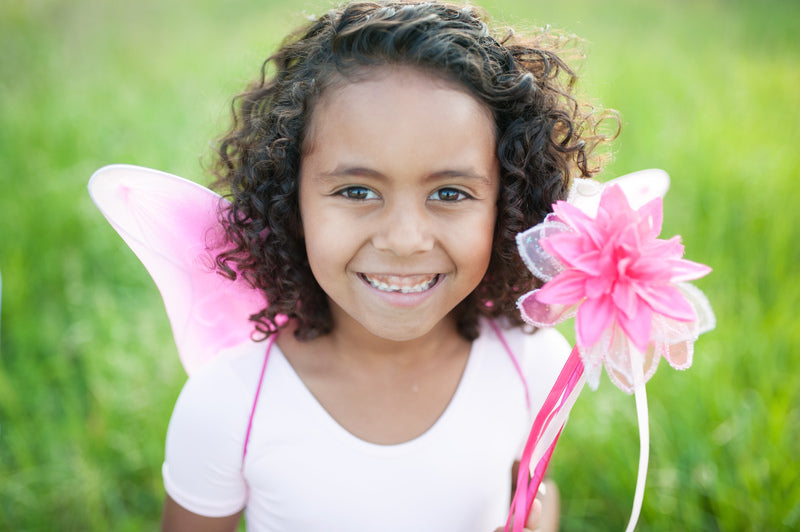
378 173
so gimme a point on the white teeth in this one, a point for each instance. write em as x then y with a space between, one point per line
382 284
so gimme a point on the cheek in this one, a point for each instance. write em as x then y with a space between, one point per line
320 246
330 246
476 243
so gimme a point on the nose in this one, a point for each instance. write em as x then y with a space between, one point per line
404 229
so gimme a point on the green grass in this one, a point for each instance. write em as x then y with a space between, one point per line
88 372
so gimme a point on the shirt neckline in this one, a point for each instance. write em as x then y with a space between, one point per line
336 429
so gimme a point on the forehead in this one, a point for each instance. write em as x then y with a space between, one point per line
402 124
397 95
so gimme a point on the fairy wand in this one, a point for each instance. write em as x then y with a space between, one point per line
602 262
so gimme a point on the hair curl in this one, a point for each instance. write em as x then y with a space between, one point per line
545 137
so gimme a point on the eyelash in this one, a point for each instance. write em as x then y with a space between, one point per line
461 195
359 193
356 193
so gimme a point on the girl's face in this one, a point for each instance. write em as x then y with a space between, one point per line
398 193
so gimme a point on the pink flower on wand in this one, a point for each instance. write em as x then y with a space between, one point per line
621 280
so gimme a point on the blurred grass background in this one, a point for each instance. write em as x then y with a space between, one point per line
707 90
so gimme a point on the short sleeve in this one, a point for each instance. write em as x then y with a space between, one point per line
203 456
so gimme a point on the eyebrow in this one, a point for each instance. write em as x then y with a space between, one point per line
347 171
360 171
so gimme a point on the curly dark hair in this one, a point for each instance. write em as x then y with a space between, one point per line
545 137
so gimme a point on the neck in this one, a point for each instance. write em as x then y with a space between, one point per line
359 344
350 343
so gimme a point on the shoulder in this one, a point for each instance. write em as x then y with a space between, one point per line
546 345
539 355
205 437
227 380
546 352
540 346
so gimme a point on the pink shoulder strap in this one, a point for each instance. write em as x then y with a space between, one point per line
514 360
270 341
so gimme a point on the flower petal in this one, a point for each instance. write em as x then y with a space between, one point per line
578 220
542 264
624 297
706 321
588 262
612 349
650 270
651 218
566 288
642 186
686 270
638 326
625 362
679 355
614 199
621 282
541 314
592 358
597 286
671 248
593 376
667 300
613 202
669 331
574 250
585 194
594 316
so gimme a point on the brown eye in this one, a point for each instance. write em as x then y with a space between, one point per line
448 194
358 193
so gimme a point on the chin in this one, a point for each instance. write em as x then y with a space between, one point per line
403 332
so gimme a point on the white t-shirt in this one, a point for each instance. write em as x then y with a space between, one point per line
304 472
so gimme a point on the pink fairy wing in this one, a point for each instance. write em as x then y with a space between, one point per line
171 224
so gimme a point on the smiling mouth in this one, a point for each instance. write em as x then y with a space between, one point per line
403 284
